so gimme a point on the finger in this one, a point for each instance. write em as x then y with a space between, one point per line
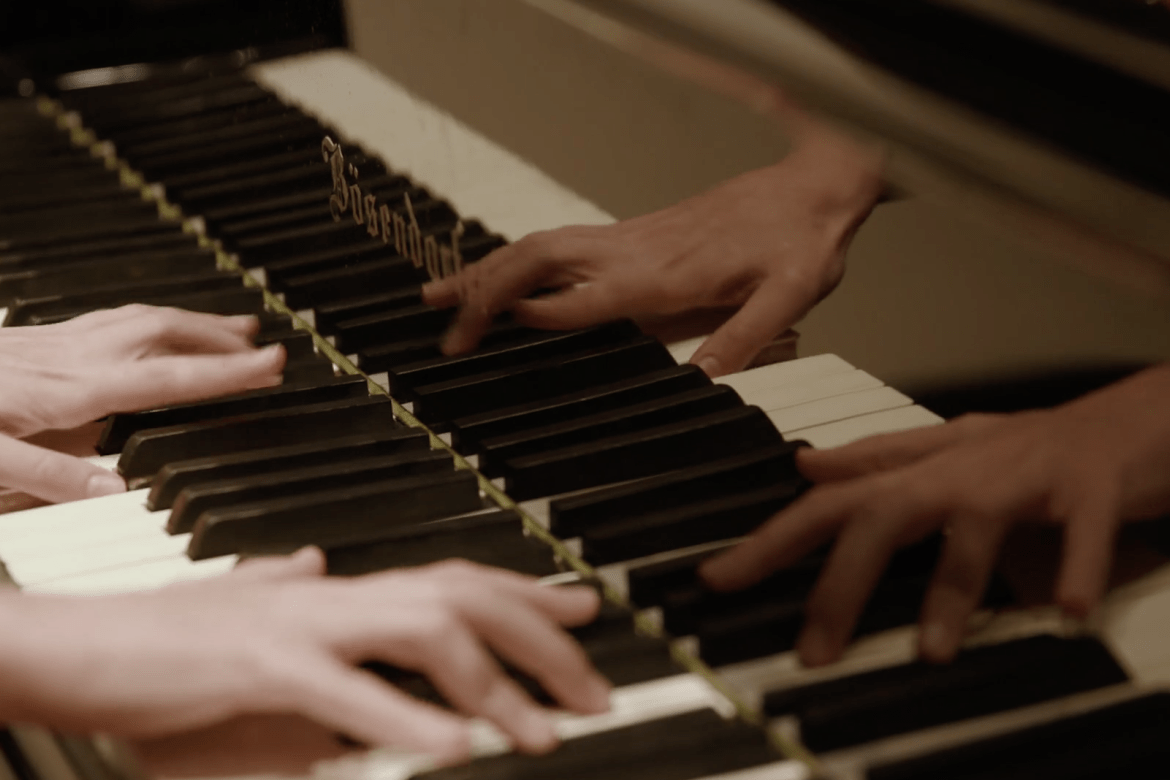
576 307
161 331
773 308
536 645
887 451
956 588
305 562
162 381
460 667
786 538
507 275
53 476
1089 537
442 293
567 605
361 706
848 578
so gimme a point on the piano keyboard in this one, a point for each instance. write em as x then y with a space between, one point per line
624 463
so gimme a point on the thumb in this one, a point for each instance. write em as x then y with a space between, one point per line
53 476
772 309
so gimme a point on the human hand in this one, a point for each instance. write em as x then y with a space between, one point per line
276 637
771 243
1088 465
125 359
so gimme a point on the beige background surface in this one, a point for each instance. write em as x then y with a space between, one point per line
931 297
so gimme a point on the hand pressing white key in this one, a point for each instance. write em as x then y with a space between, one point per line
276 637
769 244
126 359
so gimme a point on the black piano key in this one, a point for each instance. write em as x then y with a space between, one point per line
213 214
64 195
67 221
649 584
328 315
303 292
496 451
176 476
539 347
243 186
398 324
22 311
468 432
67 234
148 451
333 518
709 521
641 454
388 356
265 121
687 604
714 477
74 278
1119 741
680 747
111 117
311 370
295 264
194 500
129 141
232 301
480 393
165 237
981 681
255 251
493 537
120 427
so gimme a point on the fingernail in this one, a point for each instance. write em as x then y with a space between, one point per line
598 694
427 289
104 485
933 642
536 731
710 366
814 647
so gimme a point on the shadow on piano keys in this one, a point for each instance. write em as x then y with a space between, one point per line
631 466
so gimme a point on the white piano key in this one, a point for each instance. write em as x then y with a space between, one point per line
791 393
835 434
682 351
480 179
109 462
98 557
834 408
61 519
762 379
141 576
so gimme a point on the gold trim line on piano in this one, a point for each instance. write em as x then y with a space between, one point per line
82 137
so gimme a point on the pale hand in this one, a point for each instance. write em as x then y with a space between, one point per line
1088 465
771 243
276 637
118 360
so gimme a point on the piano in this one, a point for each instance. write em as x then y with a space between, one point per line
594 455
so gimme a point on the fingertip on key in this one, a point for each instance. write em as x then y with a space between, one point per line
106 484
